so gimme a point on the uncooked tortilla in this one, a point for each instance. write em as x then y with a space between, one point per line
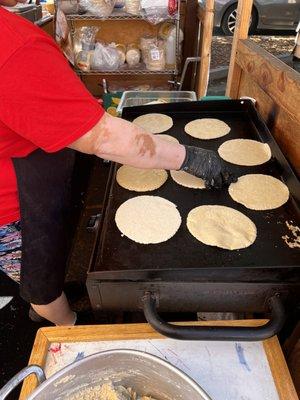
148 219
168 138
245 152
207 128
154 123
141 180
187 180
259 192
221 226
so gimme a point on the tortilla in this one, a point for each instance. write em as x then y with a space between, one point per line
148 219
207 128
245 152
141 180
221 226
168 138
154 123
259 192
187 180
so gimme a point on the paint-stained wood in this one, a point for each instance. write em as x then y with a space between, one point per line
276 78
47 336
241 32
38 357
292 353
282 378
206 18
294 365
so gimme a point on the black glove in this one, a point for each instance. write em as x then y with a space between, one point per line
207 164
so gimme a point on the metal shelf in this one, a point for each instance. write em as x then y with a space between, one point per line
126 72
116 15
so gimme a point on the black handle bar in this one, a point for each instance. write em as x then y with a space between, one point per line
222 333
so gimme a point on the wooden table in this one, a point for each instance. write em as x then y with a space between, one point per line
249 359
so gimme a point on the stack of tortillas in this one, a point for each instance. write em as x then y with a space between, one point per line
154 123
148 219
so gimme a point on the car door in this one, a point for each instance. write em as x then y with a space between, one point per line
284 14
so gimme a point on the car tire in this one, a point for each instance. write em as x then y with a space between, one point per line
229 17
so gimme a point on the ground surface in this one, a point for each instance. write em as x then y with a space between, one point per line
276 45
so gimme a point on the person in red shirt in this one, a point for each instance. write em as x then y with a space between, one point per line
45 114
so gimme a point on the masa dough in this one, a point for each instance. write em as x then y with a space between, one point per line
207 128
154 123
245 152
168 138
148 219
141 180
187 180
259 192
221 226
108 391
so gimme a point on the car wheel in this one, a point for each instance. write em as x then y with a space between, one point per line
230 17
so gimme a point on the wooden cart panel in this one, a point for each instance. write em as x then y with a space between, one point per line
217 366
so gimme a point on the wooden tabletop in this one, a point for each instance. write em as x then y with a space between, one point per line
97 333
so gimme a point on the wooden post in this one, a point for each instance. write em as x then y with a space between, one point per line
206 18
190 40
241 32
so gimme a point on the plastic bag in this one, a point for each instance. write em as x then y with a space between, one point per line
156 15
155 59
99 8
105 58
133 7
63 36
156 11
68 6
84 35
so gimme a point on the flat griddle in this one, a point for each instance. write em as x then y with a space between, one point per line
183 252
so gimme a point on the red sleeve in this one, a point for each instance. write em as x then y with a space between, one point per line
43 100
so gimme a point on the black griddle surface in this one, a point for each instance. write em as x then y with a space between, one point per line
183 251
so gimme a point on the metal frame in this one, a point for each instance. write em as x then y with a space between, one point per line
117 16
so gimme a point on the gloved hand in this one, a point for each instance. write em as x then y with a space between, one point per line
208 165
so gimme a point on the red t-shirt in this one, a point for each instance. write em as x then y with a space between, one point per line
43 104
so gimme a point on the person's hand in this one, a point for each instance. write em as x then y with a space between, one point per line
208 165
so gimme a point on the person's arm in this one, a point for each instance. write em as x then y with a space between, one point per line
71 117
118 140
121 141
